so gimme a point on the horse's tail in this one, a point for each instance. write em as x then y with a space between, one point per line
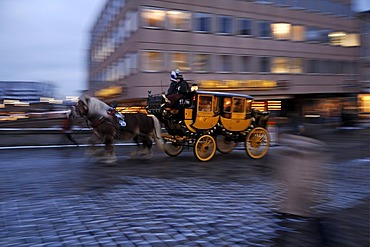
157 132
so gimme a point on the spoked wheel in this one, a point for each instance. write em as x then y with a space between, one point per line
257 143
223 145
205 148
173 149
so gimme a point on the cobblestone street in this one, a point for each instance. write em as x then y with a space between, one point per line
57 197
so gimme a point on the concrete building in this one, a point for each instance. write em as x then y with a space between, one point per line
295 55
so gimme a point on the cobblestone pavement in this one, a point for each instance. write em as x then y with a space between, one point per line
57 197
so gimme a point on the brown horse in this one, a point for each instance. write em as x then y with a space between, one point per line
106 129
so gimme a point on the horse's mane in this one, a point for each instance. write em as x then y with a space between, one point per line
95 105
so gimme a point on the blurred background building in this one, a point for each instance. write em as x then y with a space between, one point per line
25 91
298 57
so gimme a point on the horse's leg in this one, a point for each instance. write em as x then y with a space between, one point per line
109 156
134 153
147 145
91 149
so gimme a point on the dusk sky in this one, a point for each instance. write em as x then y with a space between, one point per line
47 40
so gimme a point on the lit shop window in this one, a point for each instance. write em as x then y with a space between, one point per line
280 65
244 27
178 20
153 18
202 22
297 33
281 30
201 62
224 63
180 60
225 24
152 61
344 39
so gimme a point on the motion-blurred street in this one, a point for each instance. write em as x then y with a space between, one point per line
58 197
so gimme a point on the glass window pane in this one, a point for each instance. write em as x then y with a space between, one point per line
201 62
280 65
152 61
153 17
225 25
298 33
202 22
264 64
296 65
180 60
178 20
281 30
225 63
244 27
245 64
265 30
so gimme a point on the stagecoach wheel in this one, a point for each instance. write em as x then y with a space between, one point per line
223 145
257 143
173 149
205 148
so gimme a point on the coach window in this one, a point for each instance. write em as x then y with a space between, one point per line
205 103
238 105
227 105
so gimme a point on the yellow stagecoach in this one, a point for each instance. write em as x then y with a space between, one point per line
210 121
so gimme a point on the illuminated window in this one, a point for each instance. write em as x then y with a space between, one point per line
153 17
180 61
280 65
281 30
224 63
296 65
202 22
344 39
201 62
178 20
297 33
152 61
244 27
225 25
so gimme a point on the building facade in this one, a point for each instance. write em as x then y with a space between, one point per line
25 91
298 55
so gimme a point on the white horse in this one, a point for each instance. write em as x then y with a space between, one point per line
139 127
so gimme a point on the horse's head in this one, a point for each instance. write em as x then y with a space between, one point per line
81 109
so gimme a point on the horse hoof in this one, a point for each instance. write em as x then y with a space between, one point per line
108 161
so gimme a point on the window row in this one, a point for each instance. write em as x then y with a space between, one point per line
334 7
124 67
231 25
128 25
156 61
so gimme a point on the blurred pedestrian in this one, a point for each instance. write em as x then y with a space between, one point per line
300 171
67 129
